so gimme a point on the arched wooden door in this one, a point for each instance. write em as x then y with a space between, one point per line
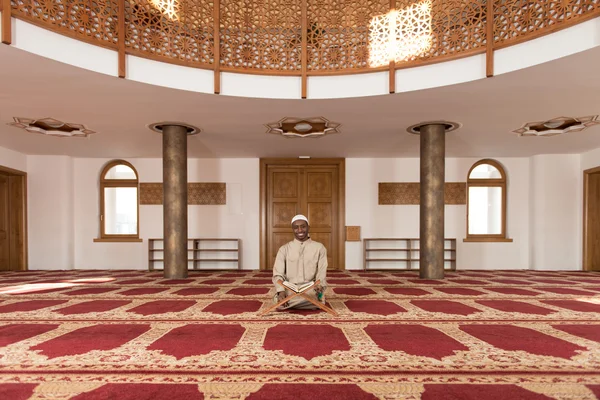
313 187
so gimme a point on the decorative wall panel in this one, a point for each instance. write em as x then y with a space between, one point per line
199 193
455 193
353 234
457 26
176 29
338 33
151 193
516 19
203 193
92 21
261 35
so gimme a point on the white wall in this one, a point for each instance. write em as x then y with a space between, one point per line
556 211
559 44
45 43
61 48
259 86
187 78
544 218
441 74
50 216
13 159
375 220
590 159
238 219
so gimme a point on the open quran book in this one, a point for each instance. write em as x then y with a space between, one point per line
298 288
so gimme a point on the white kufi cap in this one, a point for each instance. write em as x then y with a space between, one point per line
299 217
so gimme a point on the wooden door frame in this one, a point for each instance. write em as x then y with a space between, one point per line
586 176
16 172
341 228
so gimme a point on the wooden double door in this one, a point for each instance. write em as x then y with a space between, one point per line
312 187
13 240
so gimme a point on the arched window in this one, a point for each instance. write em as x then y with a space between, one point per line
486 202
119 202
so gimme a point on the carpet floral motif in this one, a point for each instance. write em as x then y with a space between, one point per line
132 334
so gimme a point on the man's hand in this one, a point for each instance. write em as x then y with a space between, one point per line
281 296
319 290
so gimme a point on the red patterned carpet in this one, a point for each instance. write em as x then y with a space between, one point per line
134 335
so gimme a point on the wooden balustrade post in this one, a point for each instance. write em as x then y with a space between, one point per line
6 22
304 56
489 39
217 45
121 39
392 77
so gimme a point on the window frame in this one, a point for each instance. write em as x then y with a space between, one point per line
115 183
488 182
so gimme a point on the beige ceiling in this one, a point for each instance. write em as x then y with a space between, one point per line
119 111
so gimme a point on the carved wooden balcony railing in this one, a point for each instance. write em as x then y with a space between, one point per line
292 37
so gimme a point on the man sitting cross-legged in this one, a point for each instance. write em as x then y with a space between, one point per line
299 261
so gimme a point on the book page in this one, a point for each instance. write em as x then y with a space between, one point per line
305 286
298 288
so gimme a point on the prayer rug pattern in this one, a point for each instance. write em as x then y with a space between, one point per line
133 334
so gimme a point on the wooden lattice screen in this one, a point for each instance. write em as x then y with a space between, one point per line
292 37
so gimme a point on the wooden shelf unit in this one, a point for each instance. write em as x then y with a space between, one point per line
202 252
401 254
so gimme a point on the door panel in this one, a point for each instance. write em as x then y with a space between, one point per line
4 225
285 183
321 209
284 186
593 221
283 212
319 184
16 222
320 215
